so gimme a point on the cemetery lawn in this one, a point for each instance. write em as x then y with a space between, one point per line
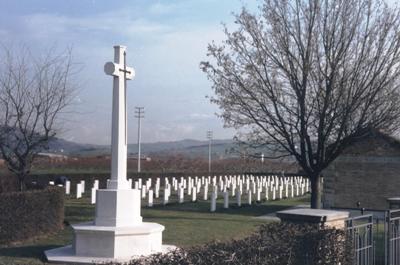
185 224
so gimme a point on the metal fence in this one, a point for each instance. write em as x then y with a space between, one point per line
376 241
392 237
360 231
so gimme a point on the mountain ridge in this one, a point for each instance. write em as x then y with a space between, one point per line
191 147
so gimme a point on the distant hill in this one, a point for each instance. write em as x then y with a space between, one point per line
188 147
58 145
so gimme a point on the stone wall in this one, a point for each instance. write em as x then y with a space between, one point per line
369 179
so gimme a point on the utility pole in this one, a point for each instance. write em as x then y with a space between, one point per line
139 113
209 137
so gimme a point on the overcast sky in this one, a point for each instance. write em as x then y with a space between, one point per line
165 39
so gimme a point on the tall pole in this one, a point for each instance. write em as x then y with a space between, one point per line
209 137
139 113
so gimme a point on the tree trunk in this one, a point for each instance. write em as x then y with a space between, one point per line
316 192
21 182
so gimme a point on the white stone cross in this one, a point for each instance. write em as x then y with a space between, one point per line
121 73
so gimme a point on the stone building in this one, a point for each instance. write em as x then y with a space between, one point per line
367 172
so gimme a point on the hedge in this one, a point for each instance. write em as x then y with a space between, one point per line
8 183
275 243
30 213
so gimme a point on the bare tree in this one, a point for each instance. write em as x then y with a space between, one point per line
309 77
34 92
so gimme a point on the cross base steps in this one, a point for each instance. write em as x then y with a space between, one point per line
66 255
104 243
115 242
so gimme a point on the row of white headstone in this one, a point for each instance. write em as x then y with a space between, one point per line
256 188
80 189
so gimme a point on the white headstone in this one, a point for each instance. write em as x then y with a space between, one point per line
181 194
166 196
238 198
215 190
143 191
213 201
286 190
150 199
96 184
194 194
78 190
93 196
83 186
258 193
140 183
205 190
291 191
249 197
226 199
130 183
67 187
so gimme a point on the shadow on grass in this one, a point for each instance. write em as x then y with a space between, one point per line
256 209
36 251
194 218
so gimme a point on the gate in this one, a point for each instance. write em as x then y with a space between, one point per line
360 230
392 237
375 241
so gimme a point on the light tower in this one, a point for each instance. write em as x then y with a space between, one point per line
209 137
139 114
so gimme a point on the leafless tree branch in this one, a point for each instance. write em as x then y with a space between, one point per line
34 91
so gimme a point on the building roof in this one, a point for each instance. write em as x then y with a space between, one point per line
376 143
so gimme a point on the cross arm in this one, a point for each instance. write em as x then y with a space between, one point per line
115 69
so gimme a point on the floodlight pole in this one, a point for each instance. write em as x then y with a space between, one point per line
209 137
139 113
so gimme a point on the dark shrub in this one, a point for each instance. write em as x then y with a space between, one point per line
30 213
8 183
274 244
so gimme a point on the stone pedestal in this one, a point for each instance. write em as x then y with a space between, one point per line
117 242
118 208
117 234
326 218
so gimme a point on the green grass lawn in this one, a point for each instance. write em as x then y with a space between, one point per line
185 224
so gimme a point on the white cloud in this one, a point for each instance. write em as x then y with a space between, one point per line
162 8
118 22
200 116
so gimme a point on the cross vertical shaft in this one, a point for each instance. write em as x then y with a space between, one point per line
120 73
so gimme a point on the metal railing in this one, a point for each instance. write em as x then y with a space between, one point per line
392 237
360 230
